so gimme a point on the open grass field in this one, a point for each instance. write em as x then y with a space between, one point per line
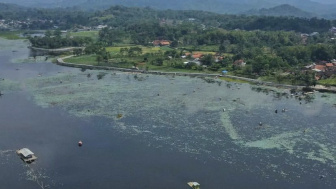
204 52
205 48
12 35
327 82
115 50
92 34
84 59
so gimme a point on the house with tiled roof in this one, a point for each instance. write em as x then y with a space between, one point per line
197 55
320 67
329 65
161 43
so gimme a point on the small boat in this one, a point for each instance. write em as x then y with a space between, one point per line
80 143
26 155
194 185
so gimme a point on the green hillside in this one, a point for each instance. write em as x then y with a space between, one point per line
282 10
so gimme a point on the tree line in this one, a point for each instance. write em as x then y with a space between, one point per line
54 39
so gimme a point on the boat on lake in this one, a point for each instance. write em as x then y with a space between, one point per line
194 185
26 155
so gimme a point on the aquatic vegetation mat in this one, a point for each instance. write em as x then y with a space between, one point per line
8 85
263 130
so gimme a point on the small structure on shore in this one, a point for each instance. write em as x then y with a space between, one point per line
26 155
194 185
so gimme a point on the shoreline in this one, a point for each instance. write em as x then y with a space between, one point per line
320 88
66 49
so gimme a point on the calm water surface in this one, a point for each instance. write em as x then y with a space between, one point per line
171 130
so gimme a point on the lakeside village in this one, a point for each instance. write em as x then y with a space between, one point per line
322 69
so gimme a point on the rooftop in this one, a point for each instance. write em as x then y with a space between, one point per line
320 67
25 152
329 64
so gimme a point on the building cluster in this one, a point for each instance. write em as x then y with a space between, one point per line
12 24
333 30
323 69
3 24
23 24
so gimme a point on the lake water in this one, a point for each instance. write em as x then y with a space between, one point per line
147 131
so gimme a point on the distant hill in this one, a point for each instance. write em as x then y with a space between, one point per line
325 1
135 18
11 7
281 10
218 6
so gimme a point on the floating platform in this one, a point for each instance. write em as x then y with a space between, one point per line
194 185
26 155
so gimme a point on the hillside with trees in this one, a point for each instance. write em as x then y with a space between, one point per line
222 7
282 10
124 17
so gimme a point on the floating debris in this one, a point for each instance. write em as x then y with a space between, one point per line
101 75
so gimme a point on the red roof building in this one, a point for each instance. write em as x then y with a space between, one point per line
161 43
329 64
320 67
197 55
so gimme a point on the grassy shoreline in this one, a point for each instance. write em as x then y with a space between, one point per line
91 60
230 78
11 35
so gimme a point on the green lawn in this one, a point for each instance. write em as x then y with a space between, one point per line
145 50
206 48
328 82
164 48
84 59
91 34
12 35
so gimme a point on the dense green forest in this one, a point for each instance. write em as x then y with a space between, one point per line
124 17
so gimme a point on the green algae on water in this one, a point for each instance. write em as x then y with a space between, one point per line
8 85
196 117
